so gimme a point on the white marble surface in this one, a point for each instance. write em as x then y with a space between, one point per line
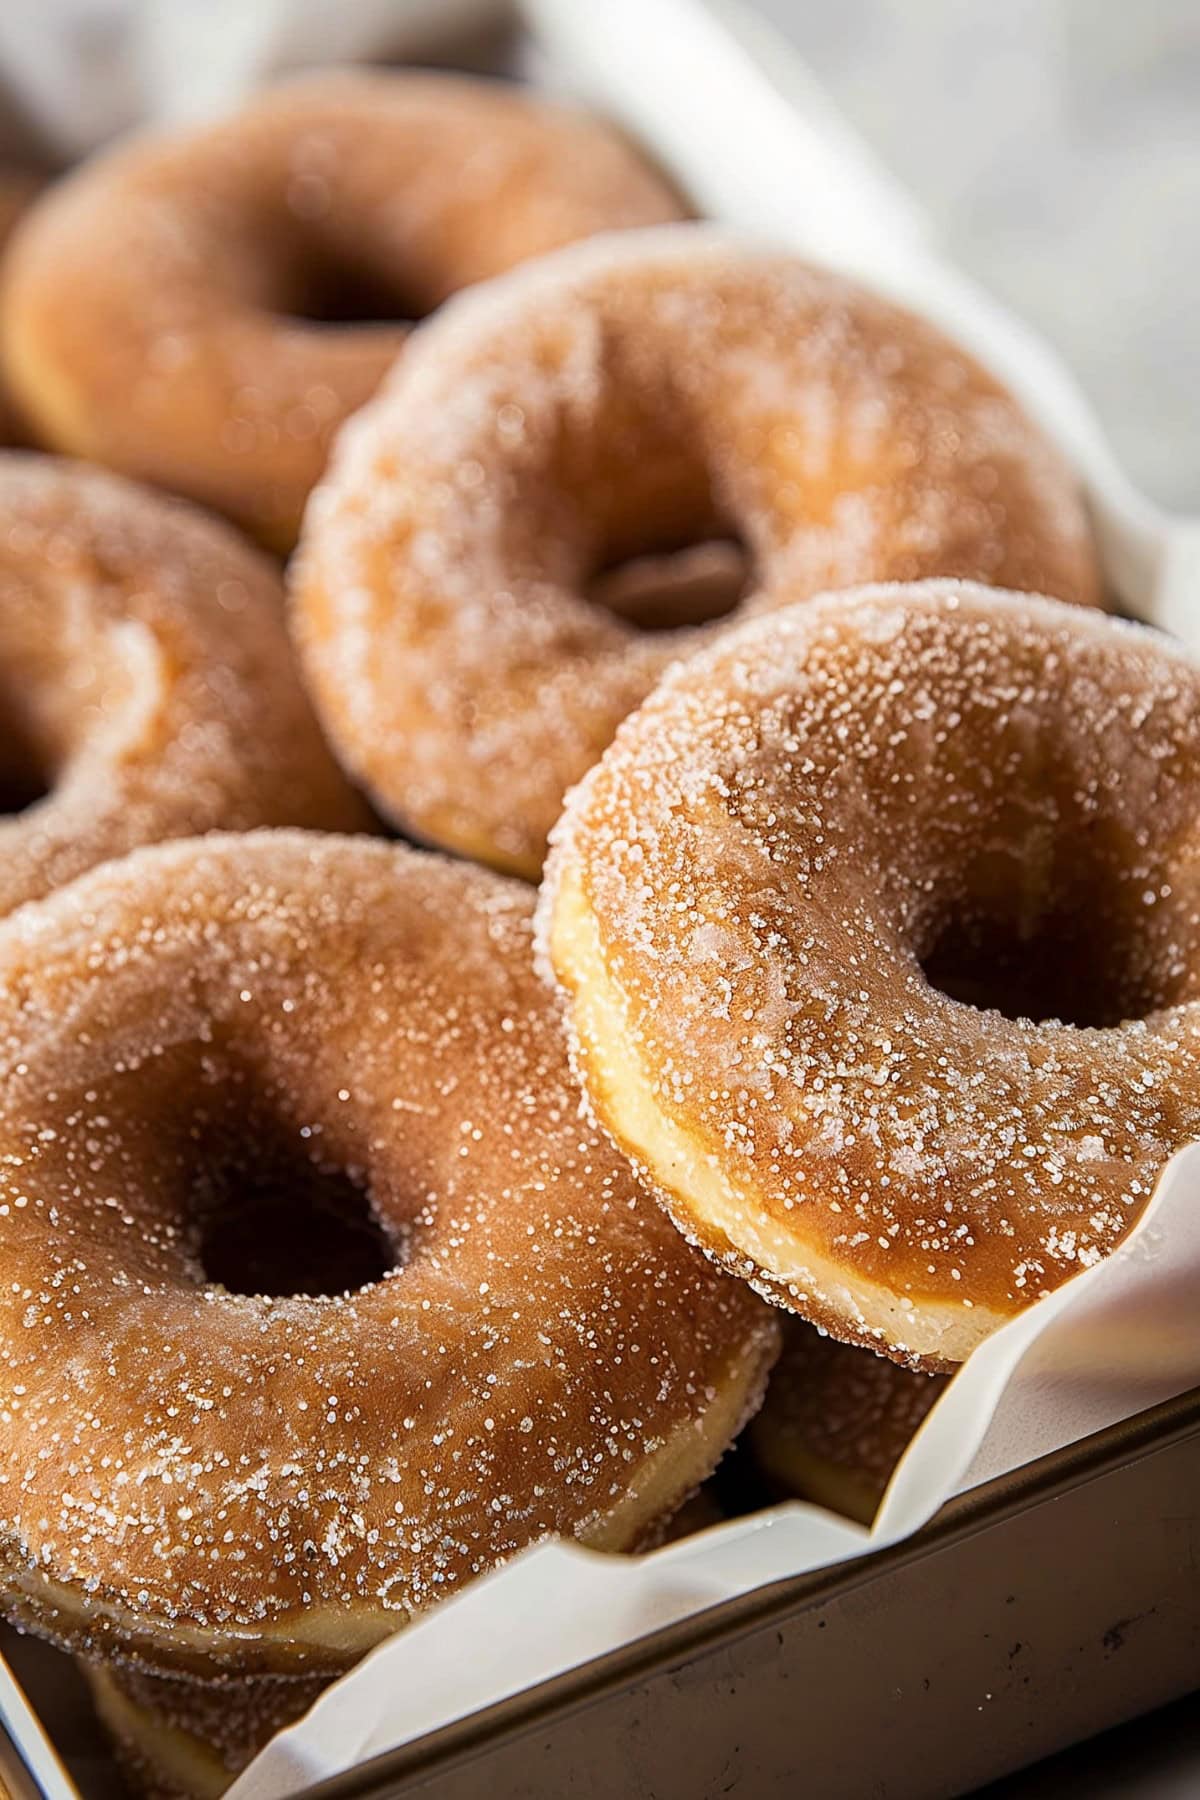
1057 145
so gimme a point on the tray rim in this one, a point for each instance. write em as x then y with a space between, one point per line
1022 1490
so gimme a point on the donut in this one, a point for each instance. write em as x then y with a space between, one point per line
835 1422
180 1739
879 939
146 681
454 599
245 282
204 1468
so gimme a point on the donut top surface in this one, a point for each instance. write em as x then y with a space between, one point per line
202 308
278 1478
879 929
146 680
632 396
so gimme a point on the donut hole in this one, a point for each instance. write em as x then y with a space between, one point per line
322 289
631 486
991 967
25 776
277 1223
674 587
1092 954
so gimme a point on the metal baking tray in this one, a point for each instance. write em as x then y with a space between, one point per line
1033 1612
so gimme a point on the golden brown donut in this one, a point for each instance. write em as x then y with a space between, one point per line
626 397
194 308
878 929
181 1739
836 1420
146 680
279 1028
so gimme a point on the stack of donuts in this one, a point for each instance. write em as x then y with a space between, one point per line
365 1214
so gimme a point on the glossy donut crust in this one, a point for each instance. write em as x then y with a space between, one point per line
836 1420
154 307
626 397
745 893
146 680
205 1479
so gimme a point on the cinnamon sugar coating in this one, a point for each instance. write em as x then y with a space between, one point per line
202 1478
146 680
625 397
173 308
879 933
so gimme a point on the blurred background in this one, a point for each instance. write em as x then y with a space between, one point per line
1056 143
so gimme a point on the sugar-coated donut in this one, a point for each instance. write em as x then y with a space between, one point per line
878 927
626 397
172 309
146 679
181 1739
274 1480
836 1420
